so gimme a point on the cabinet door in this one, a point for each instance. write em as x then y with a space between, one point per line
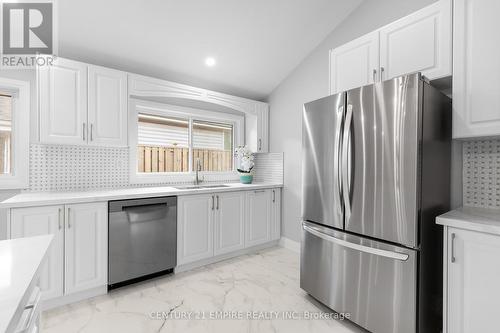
107 107
62 91
476 79
258 217
354 64
420 42
229 222
276 211
262 129
195 219
46 220
86 250
473 288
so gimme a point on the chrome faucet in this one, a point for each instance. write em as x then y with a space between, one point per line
197 179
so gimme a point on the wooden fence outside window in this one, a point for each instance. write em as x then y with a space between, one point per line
173 159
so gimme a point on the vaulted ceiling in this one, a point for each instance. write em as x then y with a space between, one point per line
256 43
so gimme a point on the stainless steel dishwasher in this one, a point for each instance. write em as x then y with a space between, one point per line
142 239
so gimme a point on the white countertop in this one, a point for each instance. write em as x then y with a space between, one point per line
20 261
472 218
59 198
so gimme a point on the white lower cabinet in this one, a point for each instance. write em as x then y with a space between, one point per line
77 260
472 282
86 250
195 225
276 214
258 214
221 223
229 222
46 220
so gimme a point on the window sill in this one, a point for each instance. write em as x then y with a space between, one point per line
182 177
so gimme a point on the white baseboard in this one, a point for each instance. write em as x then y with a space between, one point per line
204 262
292 245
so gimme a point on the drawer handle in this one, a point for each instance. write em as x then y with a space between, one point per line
259 191
33 307
453 247
69 220
357 247
60 219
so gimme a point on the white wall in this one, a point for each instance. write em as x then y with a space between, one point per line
309 81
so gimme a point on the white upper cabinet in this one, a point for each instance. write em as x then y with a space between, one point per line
86 246
354 64
107 107
63 102
46 220
476 68
82 104
420 42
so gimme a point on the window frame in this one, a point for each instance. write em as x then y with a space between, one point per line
18 178
137 106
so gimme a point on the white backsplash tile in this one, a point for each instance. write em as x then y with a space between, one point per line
481 173
76 168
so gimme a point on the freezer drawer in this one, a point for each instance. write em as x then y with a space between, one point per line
374 282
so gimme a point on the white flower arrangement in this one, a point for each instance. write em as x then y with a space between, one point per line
245 157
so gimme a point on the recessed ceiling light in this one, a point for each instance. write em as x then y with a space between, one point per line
210 62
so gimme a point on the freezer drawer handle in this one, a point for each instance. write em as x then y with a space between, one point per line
358 247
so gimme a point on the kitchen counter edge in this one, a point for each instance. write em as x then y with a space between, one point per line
486 220
31 199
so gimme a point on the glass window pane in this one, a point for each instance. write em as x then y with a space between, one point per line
163 144
212 146
5 134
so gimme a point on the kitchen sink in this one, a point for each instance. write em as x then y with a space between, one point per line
193 187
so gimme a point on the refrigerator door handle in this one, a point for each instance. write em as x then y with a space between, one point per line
357 247
337 167
345 163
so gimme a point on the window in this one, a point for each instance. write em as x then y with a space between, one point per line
5 133
212 146
14 133
171 141
163 144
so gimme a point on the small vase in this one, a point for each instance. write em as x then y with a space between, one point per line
246 178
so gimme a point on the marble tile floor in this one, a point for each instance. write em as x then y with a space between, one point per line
254 292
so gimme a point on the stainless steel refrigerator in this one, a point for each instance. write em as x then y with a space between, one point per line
376 173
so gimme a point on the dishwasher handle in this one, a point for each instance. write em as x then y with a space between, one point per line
121 205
